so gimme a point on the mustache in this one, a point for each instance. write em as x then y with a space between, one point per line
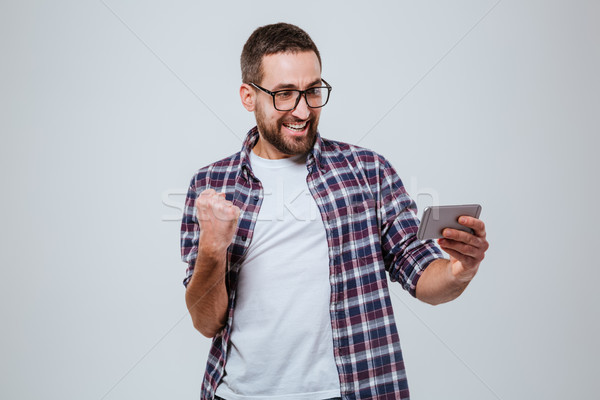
296 121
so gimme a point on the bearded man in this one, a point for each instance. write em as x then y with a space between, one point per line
288 243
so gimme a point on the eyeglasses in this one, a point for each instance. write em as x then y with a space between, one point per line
288 99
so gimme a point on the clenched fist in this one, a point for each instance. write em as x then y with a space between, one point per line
217 218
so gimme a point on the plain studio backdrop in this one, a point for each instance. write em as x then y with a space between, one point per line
109 107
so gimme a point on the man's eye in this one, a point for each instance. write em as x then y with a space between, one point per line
314 91
285 95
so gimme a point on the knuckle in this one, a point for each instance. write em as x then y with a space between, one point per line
471 239
199 203
466 238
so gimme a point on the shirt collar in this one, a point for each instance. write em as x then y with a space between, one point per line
314 155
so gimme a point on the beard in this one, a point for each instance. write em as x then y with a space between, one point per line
290 145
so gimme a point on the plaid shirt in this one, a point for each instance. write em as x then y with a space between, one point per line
371 228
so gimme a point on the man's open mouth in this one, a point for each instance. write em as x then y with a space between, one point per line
297 127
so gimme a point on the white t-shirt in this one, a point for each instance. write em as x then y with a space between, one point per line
281 343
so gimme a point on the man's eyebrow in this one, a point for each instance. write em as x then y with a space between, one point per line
283 86
315 83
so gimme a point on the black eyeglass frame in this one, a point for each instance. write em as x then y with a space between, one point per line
300 93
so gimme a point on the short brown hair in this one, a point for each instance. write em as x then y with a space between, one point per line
272 39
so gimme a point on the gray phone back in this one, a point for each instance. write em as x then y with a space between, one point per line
436 218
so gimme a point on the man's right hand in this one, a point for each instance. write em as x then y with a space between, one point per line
217 218
206 294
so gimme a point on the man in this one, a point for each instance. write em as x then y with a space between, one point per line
289 240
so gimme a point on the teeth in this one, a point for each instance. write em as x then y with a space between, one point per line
297 127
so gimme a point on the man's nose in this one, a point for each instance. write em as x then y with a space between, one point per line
302 110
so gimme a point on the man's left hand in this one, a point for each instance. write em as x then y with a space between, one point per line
466 250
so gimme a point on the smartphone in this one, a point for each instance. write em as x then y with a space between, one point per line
437 218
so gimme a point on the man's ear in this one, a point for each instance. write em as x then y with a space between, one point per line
248 97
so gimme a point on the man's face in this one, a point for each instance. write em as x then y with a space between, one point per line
287 133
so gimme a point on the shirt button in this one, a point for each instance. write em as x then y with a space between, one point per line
255 198
243 238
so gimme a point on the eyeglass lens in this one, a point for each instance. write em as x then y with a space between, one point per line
287 99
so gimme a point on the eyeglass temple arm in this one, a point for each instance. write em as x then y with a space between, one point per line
262 88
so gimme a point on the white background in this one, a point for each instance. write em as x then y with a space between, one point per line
107 107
